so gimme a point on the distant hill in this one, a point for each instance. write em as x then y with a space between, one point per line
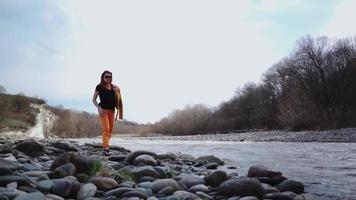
17 113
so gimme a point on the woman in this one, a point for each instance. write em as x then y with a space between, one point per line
110 98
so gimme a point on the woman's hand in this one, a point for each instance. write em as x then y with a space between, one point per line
101 111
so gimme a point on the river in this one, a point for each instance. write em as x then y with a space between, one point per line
328 170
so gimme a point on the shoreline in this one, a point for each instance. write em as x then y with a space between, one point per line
62 169
347 135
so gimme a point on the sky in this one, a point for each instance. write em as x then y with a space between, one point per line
164 55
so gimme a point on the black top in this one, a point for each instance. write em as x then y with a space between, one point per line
107 97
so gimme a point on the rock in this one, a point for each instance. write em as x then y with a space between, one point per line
65 188
10 193
5 171
198 188
209 159
166 191
82 178
249 198
269 189
291 185
241 187
45 185
145 185
183 195
145 159
31 196
64 170
104 183
191 180
8 164
170 156
134 193
117 166
146 191
119 148
211 165
216 178
31 167
146 178
30 147
27 189
272 181
118 191
83 164
21 181
204 196
6 148
261 171
159 184
130 184
132 156
87 190
145 171
64 145
53 197
117 158
163 171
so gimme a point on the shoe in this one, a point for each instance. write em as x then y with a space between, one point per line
106 152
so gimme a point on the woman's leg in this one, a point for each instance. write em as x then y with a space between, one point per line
105 129
111 116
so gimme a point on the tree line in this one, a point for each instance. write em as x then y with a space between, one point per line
313 88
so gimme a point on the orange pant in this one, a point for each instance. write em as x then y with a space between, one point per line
107 124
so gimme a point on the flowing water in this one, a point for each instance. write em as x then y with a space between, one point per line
328 170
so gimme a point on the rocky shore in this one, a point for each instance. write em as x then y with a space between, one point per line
347 135
59 169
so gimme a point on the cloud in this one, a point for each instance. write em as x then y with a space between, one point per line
340 23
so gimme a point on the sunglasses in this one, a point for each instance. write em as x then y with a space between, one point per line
108 77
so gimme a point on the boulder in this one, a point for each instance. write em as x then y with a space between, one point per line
132 156
241 187
159 184
104 183
291 185
145 159
30 147
216 178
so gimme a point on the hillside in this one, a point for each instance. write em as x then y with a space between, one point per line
27 116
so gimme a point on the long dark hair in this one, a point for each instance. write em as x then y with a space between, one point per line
102 83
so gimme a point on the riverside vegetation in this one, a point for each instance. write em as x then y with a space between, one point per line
59 169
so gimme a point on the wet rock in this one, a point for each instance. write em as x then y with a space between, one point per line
183 195
209 159
211 165
216 178
45 186
82 178
145 185
291 185
8 164
191 180
132 156
241 187
117 158
87 190
163 171
10 193
66 146
31 196
146 178
104 183
127 184
261 171
65 188
31 148
145 171
21 181
162 183
118 192
64 170
117 166
198 188
269 189
145 159
169 156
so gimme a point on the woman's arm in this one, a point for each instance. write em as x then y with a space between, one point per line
95 96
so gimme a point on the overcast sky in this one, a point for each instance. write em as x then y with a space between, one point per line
164 54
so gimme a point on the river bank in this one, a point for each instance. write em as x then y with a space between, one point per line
53 169
347 135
